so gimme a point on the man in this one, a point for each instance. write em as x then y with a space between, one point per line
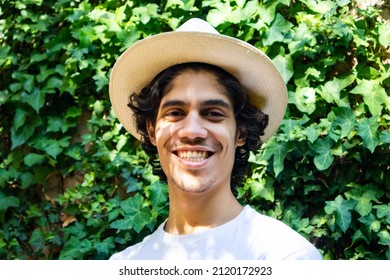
202 101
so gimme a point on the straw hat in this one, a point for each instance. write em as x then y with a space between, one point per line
197 41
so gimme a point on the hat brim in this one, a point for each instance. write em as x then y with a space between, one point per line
140 63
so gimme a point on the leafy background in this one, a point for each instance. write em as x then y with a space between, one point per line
75 185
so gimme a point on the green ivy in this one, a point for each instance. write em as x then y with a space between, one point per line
75 185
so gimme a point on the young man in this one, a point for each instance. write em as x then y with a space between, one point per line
200 102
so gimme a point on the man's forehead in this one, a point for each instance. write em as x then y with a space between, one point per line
199 86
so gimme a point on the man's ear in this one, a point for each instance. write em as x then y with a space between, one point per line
151 132
241 136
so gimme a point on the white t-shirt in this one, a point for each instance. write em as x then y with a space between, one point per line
249 236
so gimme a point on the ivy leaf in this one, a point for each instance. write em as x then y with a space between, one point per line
385 137
324 156
383 211
343 3
122 224
136 216
27 179
140 220
53 149
136 222
278 151
368 131
384 34
86 35
28 81
36 99
313 72
321 7
77 229
285 66
74 249
44 72
371 222
384 238
53 83
263 189
331 90
364 206
101 79
358 235
105 246
363 198
313 132
267 11
51 146
342 209
22 134
133 204
8 201
293 219
54 124
304 99
277 30
345 119
370 225
215 17
4 53
302 36
109 21
122 140
128 37
188 5
33 158
293 128
19 118
37 239
73 112
33 2
374 95
158 193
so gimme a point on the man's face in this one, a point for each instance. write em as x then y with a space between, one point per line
196 134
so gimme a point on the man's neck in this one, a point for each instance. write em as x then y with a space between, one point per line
191 212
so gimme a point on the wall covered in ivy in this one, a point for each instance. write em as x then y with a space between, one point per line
75 185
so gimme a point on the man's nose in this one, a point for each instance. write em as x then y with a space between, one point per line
193 127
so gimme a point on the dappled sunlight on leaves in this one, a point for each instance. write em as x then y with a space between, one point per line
75 185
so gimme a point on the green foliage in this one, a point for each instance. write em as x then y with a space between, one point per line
75 185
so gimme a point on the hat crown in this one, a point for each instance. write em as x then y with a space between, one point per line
197 25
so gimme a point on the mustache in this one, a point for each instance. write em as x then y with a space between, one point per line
199 142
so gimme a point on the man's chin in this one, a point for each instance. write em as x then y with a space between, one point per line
189 185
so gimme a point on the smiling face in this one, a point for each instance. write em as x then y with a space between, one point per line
196 133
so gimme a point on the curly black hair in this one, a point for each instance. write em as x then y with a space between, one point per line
251 121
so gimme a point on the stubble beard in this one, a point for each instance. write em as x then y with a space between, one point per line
186 186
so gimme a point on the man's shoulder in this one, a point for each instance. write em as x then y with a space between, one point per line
276 239
263 222
137 251
253 217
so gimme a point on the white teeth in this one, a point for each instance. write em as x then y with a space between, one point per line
194 156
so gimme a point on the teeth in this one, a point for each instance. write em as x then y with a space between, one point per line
194 156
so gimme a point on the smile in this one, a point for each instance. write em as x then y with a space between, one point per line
193 156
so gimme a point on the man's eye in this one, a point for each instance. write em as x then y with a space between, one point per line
214 114
174 114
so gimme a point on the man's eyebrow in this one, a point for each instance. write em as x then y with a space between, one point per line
208 102
216 102
174 102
